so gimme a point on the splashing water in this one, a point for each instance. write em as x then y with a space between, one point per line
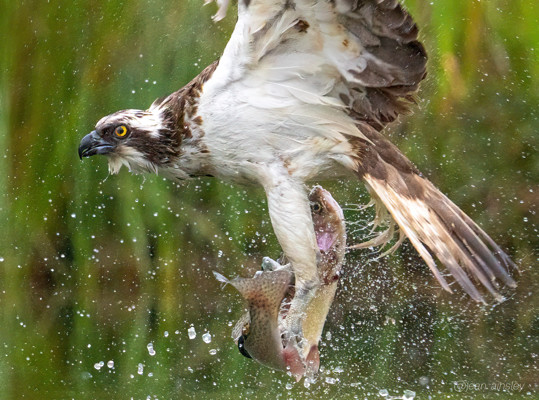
407 395
206 337
191 333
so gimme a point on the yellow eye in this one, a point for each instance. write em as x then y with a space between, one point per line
120 130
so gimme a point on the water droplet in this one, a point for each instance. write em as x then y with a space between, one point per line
99 365
110 364
151 349
408 395
192 333
383 392
206 337
140 369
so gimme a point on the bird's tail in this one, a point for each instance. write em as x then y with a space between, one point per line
432 223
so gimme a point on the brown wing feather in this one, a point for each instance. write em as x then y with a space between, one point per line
372 43
392 63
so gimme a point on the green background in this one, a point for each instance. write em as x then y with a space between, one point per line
94 268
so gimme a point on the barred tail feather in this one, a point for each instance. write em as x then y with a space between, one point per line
433 224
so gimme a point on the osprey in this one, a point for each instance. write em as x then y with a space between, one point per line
303 91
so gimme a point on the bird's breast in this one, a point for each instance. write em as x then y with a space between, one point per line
239 136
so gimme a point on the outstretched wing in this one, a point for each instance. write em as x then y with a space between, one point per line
362 56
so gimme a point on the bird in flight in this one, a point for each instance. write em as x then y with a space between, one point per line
302 92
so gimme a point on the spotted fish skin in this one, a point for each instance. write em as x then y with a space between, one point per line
264 294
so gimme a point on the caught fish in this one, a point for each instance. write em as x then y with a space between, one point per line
330 230
260 332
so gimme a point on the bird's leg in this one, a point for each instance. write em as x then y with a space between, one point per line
293 323
290 215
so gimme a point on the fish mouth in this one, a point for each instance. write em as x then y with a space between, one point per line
325 240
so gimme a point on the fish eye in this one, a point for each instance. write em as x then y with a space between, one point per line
120 130
316 207
241 347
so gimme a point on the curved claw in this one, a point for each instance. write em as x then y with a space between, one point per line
269 264
292 336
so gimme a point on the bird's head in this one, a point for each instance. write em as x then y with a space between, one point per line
143 141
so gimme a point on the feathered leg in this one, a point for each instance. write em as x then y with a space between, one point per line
290 214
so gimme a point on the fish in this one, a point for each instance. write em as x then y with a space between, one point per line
260 332
330 230
257 333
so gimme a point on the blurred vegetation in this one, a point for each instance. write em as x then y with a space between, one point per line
94 268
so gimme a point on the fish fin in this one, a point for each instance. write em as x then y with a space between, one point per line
220 277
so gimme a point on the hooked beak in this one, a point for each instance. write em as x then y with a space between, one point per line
92 144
